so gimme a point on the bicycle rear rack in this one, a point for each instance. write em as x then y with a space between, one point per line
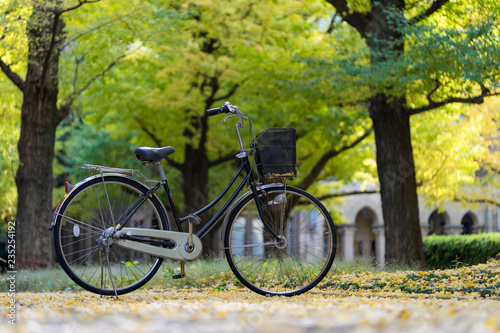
101 169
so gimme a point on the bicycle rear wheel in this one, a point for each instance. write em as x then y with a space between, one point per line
294 265
88 211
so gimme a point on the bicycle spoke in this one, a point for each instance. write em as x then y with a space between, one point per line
291 266
81 251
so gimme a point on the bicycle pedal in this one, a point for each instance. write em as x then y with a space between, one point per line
178 276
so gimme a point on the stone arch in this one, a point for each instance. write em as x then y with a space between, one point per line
355 205
469 223
364 237
438 223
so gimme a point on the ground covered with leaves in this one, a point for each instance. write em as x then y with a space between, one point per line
480 280
459 300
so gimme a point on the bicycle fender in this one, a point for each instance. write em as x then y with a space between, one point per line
55 214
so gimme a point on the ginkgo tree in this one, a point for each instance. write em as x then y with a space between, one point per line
484 188
216 58
281 77
146 72
33 39
419 57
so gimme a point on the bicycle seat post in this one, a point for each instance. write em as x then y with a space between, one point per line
161 171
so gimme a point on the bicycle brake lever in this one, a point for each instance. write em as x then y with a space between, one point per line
232 116
227 117
241 121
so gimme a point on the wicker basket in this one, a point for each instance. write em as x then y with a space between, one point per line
275 153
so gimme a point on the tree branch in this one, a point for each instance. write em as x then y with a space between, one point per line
314 173
493 168
484 201
13 76
174 164
64 110
55 24
341 7
98 75
436 5
345 194
158 142
229 93
471 100
80 3
213 83
148 132
332 24
355 19
436 87
91 30
222 159
46 61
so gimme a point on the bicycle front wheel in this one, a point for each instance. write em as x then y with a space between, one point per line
296 263
89 210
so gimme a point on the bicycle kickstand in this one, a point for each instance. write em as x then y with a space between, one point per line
180 275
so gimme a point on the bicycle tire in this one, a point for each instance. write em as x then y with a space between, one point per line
91 208
297 264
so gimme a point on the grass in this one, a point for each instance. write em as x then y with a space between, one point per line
40 280
360 275
205 273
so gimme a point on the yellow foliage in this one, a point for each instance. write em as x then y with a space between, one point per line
235 310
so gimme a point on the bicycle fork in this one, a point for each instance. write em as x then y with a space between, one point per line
261 212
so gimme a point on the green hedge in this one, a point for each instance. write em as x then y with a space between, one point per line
452 251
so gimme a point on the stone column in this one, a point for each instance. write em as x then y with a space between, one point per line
424 230
379 231
453 229
477 229
488 222
346 232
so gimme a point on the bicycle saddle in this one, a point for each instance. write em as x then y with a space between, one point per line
149 155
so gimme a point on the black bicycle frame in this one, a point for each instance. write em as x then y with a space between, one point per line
245 165
210 224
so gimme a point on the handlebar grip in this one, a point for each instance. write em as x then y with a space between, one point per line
216 111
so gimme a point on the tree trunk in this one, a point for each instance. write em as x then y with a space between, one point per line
39 119
396 171
196 184
195 173
34 188
391 124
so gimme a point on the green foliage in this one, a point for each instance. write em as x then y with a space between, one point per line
285 70
79 143
264 53
450 54
9 134
448 151
449 251
12 25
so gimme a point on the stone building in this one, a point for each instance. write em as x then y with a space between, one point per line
363 234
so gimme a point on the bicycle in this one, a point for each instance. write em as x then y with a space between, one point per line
111 231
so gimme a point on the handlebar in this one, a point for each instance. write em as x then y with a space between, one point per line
233 111
226 108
